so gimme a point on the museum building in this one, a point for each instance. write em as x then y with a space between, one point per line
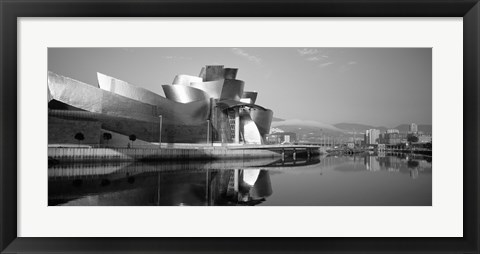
209 108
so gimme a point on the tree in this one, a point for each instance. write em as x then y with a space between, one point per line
412 139
79 136
107 136
132 138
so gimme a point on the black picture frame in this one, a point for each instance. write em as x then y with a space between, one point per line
12 9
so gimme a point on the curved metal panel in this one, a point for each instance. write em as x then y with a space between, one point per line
230 73
250 95
123 88
223 104
212 88
251 135
171 111
232 89
214 72
184 94
89 98
263 120
186 79
193 112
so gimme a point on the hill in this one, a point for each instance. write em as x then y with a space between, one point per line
350 127
426 128
359 128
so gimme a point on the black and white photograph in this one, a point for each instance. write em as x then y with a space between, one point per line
239 126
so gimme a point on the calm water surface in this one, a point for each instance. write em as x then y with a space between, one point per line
370 180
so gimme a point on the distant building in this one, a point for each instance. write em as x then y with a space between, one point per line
424 138
281 137
393 131
358 141
403 137
275 130
372 136
413 128
392 138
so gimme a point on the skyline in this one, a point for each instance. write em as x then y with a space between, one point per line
346 82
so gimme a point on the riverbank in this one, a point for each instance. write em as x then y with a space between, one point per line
85 154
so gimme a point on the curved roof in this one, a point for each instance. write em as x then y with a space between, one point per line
185 80
184 94
128 90
224 89
86 97
212 88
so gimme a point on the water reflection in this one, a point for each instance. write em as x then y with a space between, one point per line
305 181
403 163
229 182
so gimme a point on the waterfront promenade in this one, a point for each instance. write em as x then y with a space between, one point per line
176 152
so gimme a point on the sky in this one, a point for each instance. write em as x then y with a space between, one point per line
373 86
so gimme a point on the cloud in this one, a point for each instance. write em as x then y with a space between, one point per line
315 55
323 65
306 51
244 54
322 58
313 58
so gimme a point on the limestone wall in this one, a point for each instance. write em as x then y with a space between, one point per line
62 131
70 155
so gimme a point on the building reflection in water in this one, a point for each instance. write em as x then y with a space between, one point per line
227 183
398 162
167 184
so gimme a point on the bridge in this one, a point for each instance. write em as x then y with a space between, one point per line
293 151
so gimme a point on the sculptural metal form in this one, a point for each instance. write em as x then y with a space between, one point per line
184 94
128 109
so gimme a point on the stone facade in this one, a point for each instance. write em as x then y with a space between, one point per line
63 131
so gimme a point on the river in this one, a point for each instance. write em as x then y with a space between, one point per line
367 180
